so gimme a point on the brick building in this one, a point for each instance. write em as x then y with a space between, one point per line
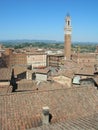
85 58
67 38
18 59
55 60
35 59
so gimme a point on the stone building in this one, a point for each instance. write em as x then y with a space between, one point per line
37 60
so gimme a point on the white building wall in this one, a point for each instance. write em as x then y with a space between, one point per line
28 75
41 77
37 60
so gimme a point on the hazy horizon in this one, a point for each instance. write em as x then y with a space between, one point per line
47 41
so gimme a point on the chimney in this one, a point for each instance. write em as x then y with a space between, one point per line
45 115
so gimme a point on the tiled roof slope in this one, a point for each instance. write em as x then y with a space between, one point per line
86 71
21 111
84 123
5 74
4 89
19 69
25 85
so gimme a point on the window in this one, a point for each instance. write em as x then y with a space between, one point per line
68 22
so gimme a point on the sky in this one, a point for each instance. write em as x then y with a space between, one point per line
45 19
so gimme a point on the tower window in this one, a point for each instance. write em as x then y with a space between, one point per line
68 23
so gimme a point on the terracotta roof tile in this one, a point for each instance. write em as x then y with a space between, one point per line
19 69
4 89
70 64
84 123
86 71
23 110
5 74
44 71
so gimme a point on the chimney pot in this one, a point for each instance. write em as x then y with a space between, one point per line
45 115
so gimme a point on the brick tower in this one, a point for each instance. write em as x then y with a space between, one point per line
67 38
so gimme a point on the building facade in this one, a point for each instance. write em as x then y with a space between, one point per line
37 60
17 59
55 60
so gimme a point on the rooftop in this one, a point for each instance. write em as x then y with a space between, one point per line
86 71
5 74
86 123
22 110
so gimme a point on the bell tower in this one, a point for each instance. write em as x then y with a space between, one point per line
67 37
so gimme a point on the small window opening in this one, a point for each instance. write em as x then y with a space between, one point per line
68 23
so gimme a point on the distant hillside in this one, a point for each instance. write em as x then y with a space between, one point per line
81 46
43 41
27 41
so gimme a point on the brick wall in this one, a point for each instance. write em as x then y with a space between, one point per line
67 46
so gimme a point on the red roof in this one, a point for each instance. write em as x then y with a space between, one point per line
23 110
5 74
